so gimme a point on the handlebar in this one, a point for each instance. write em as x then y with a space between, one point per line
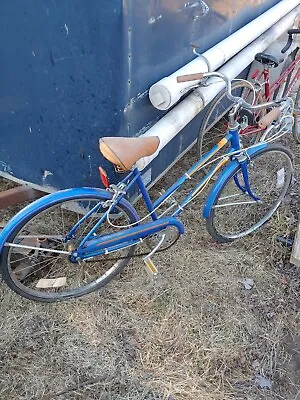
234 99
290 32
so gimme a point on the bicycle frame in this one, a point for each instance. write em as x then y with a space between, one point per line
265 74
263 79
92 246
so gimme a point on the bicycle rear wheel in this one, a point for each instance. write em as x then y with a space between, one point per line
35 262
235 213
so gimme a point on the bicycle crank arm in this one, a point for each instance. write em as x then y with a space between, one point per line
101 244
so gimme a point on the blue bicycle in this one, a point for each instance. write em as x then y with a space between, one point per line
72 242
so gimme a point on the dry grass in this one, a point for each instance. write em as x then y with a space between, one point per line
195 333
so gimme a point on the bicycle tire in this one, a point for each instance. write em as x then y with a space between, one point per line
39 228
283 90
289 91
215 122
242 216
296 132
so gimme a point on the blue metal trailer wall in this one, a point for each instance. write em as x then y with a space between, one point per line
73 71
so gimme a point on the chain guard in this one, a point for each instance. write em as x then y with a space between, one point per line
151 241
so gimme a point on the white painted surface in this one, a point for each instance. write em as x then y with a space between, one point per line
172 123
165 93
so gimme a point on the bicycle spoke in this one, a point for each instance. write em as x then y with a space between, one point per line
39 263
236 214
39 255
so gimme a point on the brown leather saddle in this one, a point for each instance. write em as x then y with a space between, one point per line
125 152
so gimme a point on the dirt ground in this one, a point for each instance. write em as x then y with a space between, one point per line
195 334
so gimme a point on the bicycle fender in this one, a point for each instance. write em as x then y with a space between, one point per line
214 192
52 198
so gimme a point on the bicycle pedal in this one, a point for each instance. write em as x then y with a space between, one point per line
150 267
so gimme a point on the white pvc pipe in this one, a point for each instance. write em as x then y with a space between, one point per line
172 123
165 93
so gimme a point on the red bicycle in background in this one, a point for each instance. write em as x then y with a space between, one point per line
257 91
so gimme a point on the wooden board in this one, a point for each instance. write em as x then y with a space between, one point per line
18 195
295 257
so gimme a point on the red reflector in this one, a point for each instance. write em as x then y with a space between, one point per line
104 177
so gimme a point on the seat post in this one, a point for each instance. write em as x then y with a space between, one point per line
267 82
144 193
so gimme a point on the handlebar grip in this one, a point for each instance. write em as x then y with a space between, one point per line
288 45
269 118
290 32
190 77
293 31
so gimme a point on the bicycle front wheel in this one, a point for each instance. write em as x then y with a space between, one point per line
292 81
296 131
35 262
288 85
235 213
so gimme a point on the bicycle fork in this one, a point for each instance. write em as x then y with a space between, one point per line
247 188
243 157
